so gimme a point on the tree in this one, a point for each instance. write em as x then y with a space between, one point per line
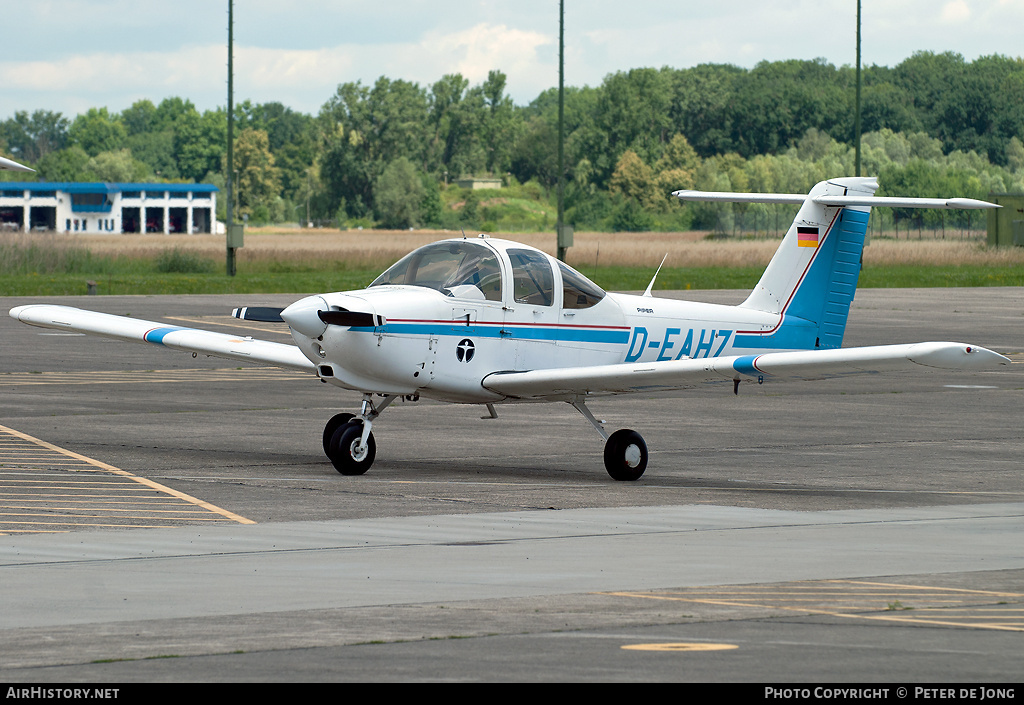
117 166
97 131
398 195
365 129
701 102
292 138
535 155
30 138
258 180
502 123
199 141
156 150
777 102
139 118
63 165
634 180
634 111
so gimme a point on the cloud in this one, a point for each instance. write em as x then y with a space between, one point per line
99 72
475 51
299 57
471 52
955 12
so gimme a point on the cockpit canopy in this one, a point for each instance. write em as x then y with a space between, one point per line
449 267
469 270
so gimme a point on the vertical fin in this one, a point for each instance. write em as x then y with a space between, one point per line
812 278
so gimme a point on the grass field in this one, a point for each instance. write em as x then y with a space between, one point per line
302 261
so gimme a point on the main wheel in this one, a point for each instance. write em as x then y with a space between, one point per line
336 422
625 455
346 455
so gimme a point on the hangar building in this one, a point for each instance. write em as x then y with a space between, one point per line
107 208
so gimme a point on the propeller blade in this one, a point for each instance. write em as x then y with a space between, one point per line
263 314
347 318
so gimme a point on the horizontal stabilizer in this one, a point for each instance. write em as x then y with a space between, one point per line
834 201
893 202
732 197
11 165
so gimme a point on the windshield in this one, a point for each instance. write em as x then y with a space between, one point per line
460 269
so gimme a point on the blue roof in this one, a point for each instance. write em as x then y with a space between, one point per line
79 187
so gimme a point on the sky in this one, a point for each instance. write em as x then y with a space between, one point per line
71 55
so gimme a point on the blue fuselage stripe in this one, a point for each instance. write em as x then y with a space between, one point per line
509 330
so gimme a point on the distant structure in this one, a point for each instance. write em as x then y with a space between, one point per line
107 208
1006 225
478 183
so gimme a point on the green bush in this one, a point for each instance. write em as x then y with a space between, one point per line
178 261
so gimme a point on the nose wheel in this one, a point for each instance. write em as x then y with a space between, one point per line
348 453
348 442
336 422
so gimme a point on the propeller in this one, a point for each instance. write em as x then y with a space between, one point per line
311 316
263 314
341 317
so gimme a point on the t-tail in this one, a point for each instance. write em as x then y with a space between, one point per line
812 278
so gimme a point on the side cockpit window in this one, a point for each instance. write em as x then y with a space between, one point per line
532 278
459 269
577 290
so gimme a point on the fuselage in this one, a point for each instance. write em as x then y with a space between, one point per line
439 339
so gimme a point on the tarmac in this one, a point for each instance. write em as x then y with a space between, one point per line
173 519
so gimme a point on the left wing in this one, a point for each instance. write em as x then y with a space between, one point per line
205 342
670 375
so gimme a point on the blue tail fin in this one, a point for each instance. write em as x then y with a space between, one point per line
812 279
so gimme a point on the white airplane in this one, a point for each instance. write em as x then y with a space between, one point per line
488 321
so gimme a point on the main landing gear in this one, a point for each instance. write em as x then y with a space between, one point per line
348 441
625 453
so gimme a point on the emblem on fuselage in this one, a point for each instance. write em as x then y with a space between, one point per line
465 350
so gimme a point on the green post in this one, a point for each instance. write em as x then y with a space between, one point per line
232 235
856 117
564 242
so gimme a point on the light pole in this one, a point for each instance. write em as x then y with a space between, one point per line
234 232
856 117
563 231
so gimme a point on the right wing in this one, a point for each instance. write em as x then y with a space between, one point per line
204 342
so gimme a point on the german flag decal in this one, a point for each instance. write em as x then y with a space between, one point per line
806 236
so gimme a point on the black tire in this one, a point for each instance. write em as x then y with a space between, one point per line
343 445
625 455
336 422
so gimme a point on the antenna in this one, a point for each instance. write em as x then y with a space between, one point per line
651 285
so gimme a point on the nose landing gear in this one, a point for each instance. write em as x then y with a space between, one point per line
348 442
